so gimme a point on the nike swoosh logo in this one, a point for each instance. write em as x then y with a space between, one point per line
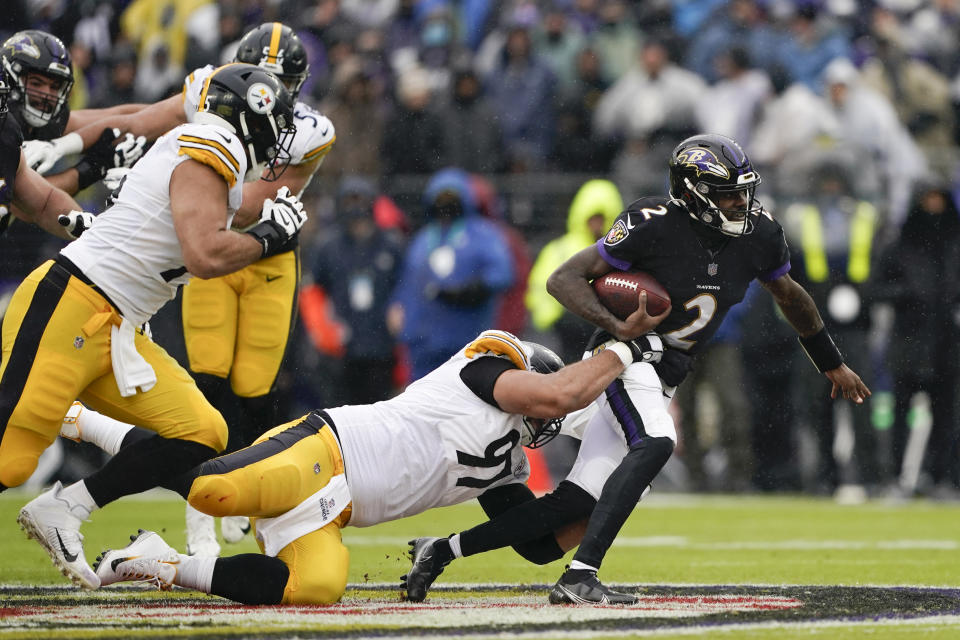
225 138
629 224
70 557
324 132
272 278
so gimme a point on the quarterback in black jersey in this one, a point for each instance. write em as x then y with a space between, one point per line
704 243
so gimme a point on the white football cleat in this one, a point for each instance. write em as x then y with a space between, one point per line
233 528
70 427
201 534
49 520
147 558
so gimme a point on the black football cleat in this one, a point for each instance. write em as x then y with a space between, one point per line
429 557
583 587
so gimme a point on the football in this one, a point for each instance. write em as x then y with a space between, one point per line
618 291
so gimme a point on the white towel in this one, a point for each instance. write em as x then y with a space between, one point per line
129 367
313 513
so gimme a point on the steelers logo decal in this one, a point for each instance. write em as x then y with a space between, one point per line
261 97
617 233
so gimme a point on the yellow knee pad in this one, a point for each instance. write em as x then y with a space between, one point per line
318 564
19 452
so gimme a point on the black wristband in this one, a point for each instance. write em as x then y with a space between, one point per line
821 350
88 172
269 237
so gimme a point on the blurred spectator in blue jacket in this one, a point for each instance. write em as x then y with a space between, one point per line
455 270
357 267
522 88
740 23
617 39
811 41
558 40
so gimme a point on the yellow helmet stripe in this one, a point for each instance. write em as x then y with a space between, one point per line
206 85
274 42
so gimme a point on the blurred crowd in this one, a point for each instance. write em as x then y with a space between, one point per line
482 142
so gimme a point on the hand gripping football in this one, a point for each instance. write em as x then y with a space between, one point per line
619 291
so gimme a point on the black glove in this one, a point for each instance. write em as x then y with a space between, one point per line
98 158
280 222
673 367
646 348
76 222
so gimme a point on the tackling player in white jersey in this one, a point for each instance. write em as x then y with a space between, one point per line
455 434
72 327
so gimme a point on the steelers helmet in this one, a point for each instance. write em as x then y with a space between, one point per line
277 48
255 105
538 432
34 51
706 166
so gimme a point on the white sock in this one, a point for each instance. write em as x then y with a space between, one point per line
101 430
576 565
455 545
195 572
78 499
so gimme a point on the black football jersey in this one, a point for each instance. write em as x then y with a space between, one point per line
49 131
704 271
10 141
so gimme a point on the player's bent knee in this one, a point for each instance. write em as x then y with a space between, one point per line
660 425
214 495
322 585
212 432
15 470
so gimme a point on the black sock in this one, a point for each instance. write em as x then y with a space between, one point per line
529 521
135 435
620 495
144 465
256 416
250 578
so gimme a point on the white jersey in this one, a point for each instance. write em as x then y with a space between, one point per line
315 135
132 252
435 444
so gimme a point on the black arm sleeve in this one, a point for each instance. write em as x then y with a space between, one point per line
481 374
527 524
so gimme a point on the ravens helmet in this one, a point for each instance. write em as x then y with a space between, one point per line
538 432
707 167
277 48
37 52
255 105
4 95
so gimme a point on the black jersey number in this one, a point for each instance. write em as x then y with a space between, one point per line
497 453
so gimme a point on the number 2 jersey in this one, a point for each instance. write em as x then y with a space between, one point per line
438 443
315 135
704 272
132 252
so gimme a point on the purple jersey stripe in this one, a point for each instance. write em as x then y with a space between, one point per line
621 411
622 265
776 273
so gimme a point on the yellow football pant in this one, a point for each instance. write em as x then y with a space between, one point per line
56 348
284 467
237 325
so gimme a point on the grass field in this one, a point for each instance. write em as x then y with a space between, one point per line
724 567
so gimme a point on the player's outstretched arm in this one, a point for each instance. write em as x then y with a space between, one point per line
538 395
36 200
570 285
801 312
295 178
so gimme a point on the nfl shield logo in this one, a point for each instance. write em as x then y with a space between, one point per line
316 467
712 269
77 342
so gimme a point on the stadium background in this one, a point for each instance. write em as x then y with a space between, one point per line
763 71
